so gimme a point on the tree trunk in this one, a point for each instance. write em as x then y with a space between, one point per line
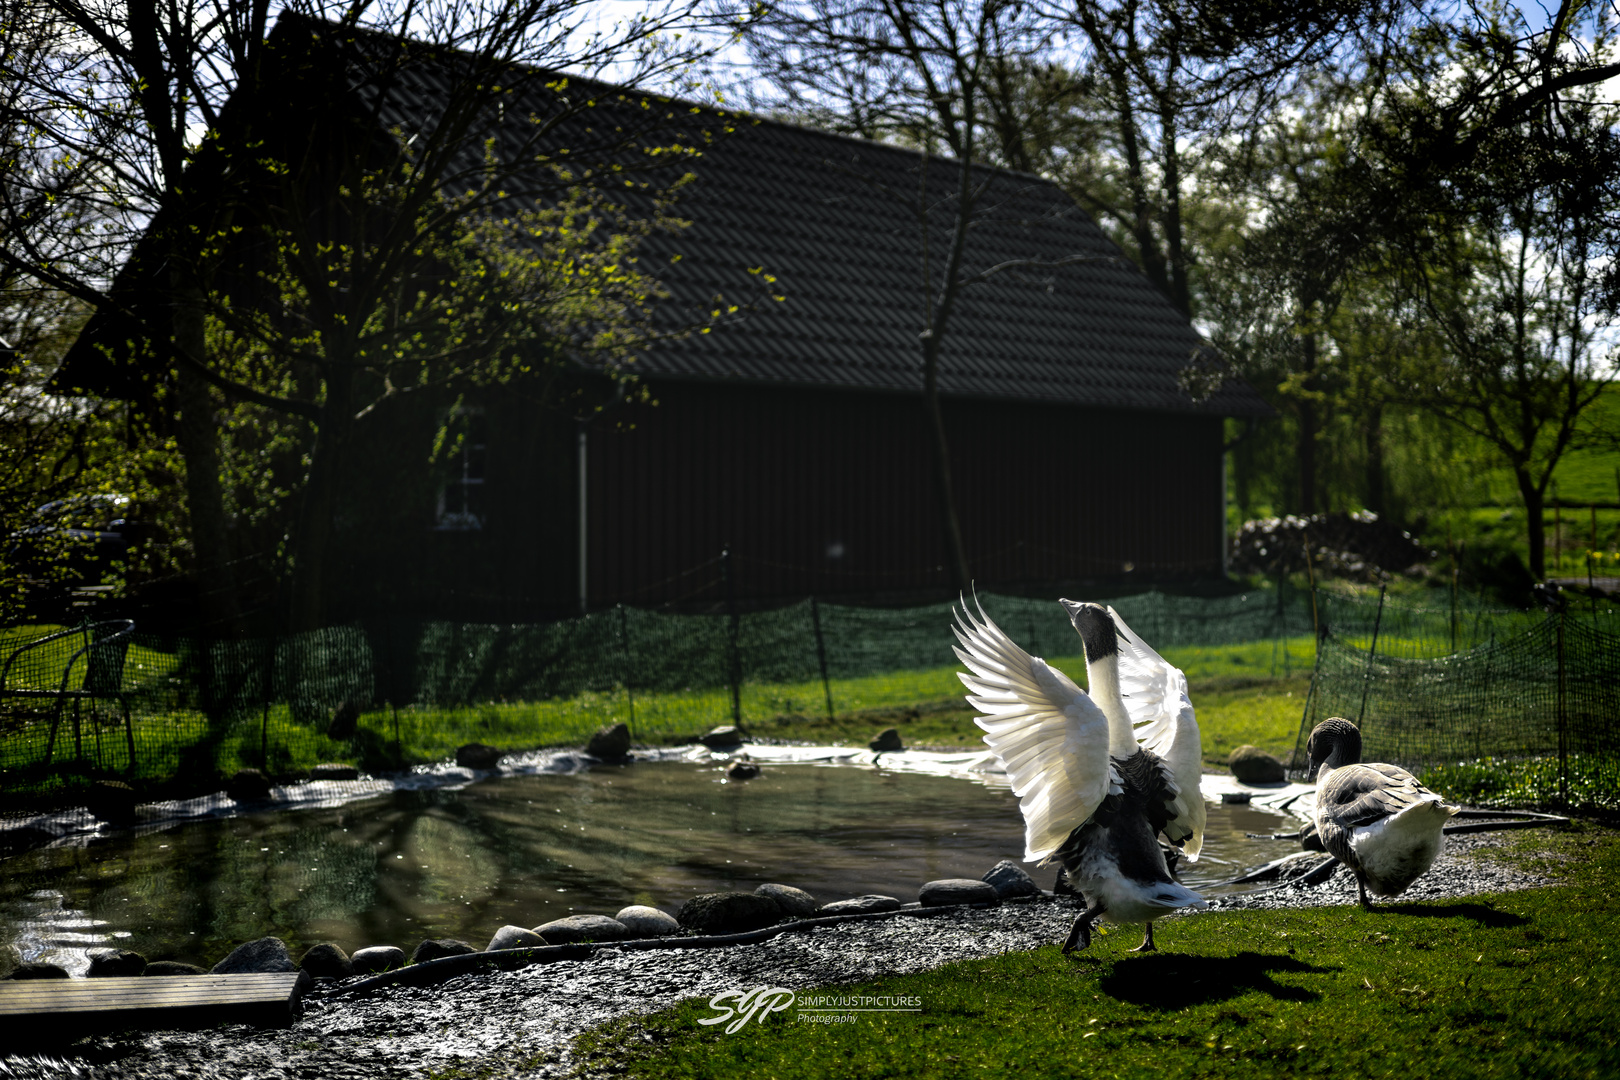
198 437
1373 436
1308 430
313 540
956 550
1535 506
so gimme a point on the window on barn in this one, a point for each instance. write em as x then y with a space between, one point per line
461 497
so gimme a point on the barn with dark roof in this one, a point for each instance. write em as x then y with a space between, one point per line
794 436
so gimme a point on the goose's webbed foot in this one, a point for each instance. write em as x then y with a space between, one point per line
1081 930
1147 941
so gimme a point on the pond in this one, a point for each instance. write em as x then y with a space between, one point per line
462 862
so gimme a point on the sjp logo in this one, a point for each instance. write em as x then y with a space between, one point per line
741 1006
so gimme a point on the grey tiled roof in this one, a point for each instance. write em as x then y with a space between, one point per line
836 221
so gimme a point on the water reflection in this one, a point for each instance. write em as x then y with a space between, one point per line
524 850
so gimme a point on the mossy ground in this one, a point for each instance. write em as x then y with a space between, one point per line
1523 984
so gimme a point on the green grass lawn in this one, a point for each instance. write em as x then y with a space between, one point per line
1504 986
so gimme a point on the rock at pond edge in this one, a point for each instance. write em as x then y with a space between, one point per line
792 901
576 929
642 921
260 956
514 937
375 958
728 913
610 743
1010 880
860 905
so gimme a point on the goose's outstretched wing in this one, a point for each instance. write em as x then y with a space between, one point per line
1161 712
1050 736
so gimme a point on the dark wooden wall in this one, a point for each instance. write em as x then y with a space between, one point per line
788 479
1047 493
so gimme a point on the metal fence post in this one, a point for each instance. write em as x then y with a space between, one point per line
1563 719
821 653
734 659
629 667
1366 680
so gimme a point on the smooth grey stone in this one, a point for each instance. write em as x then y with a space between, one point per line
333 770
375 958
173 967
39 971
514 937
1252 765
728 913
724 737
248 785
477 755
957 891
860 905
795 902
326 960
609 743
438 948
262 955
573 929
1009 880
643 922
116 963
887 742
742 770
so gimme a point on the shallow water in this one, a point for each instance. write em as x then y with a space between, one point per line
526 849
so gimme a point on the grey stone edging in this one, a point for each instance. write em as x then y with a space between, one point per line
445 968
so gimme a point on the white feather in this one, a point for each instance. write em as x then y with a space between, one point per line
1161 713
1050 736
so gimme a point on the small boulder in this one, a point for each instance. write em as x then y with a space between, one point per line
794 902
39 971
742 770
947 891
574 929
375 958
860 905
609 743
888 742
333 770
476 755
327 960
112 801
173 967
116 963
260 956
248 786
345 720
725 737
514 937
641 921
1010 881
438 948
728 913
1252 765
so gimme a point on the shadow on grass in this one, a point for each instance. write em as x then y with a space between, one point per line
1483 914
1164 981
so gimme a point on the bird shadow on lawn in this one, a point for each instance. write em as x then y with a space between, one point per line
1483 914
1165 981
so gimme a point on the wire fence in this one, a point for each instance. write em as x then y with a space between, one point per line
172 713
1496 707
1500 705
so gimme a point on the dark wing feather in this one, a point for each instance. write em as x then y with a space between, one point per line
1150 784
1358 795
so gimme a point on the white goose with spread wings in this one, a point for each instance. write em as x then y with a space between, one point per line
1091 797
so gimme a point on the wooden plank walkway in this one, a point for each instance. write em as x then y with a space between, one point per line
58 1010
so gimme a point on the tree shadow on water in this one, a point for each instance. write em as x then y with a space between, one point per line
1483 914
1165 981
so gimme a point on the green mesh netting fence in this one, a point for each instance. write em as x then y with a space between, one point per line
171 713
1525 710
